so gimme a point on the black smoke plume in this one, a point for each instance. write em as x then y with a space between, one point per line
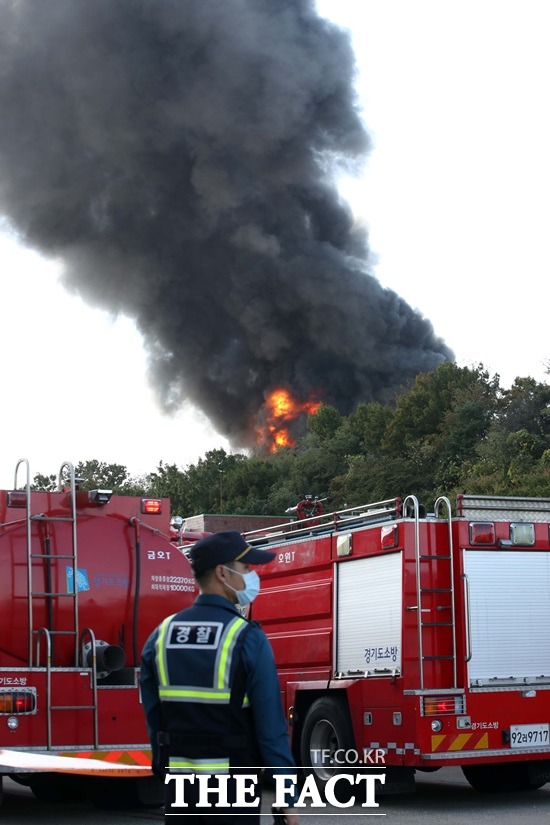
181 157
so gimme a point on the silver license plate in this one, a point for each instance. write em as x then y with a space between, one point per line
525 736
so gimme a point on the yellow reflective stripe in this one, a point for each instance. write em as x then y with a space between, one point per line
220 691
161 651
223 677
197 765
191 693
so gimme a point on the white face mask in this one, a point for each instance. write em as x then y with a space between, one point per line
251 586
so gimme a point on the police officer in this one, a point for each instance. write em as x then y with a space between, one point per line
209 685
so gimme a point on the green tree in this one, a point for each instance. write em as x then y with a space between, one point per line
168 481
437 422
511 460
525 406
44 483
420 412
453 430
95 475
283 493
324 423
205 483
369 423
101 475
248 483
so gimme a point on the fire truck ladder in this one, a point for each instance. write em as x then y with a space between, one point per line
45 633
71 557
439 563
48 593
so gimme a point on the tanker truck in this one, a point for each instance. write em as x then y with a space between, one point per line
85 577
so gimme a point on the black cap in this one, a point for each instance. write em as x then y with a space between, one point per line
221 548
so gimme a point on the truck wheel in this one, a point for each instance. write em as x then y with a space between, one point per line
501 777
326 737
114 793
57 787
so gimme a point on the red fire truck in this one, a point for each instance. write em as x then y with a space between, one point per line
85 577
422 640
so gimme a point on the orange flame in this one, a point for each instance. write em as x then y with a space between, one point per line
280 410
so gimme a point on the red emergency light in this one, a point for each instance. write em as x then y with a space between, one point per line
482 532
389 536
151 506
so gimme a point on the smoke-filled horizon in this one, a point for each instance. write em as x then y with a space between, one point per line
181 158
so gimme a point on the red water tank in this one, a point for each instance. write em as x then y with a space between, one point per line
129 576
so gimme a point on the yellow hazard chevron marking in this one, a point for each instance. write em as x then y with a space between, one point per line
458 742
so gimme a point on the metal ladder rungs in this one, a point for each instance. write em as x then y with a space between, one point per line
434 556
65 595
436 590
71 707
48 633
437 624
437 658
440 563
51 556
70 554
49 671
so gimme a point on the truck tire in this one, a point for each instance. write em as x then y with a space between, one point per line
115 793
57 787
327 735
501 777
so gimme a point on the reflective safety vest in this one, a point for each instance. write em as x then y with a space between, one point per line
206 720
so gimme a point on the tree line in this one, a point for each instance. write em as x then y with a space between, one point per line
453 430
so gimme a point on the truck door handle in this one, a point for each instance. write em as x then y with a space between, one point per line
467 617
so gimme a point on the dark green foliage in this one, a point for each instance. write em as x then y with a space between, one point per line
94 475
454 430
46 483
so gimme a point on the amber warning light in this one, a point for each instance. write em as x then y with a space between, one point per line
17 701
279 412
439 705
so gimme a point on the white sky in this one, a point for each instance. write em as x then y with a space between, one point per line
456 197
